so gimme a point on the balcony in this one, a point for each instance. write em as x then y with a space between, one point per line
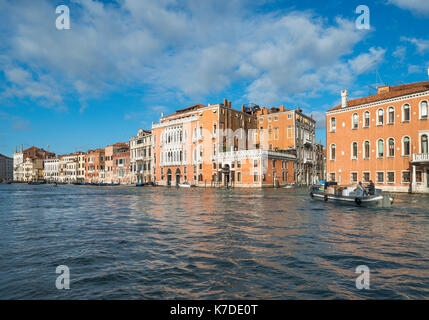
421 157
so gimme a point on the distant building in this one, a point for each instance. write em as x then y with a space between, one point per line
109 153
94 166
51 169
121 166
27 160
6 168
141 147
383 138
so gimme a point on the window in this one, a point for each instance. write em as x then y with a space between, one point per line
380 177
238 164
276 133
332 176
214 129
366 176
423 110
406 146
238 176
355 121
333 152
405 176
391 115
419 177
276 118
380 117
367 150
406 113
255 177
391 177
380 148
367 119
391 147
353 177
255 163
354 150
214 148
333 124
424 143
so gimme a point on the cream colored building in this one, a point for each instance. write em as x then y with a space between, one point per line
141 149
51 168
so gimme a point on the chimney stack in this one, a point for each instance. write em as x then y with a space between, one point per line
162 114
22 149
344 97
16 149
225 103
229 104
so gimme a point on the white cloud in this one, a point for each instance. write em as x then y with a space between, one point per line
193 48
420 7
421 44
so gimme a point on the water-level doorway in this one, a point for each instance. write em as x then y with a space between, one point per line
177 177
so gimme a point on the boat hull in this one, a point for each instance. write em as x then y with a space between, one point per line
376 200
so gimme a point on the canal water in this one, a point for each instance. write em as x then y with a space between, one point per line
168 243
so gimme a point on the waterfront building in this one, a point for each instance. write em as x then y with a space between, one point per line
94 166
68 168
214 145
141 157
80 175
33 169
21 167
320 151
121 166
6 168
109 152
290 129
51 169
383 138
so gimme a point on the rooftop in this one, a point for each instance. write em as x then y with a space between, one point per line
388 92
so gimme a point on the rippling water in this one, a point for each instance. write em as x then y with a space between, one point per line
167 243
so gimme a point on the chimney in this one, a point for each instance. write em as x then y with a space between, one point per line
229 104
16 149
282 108
22 149
162 114
225 103
344 96
242 108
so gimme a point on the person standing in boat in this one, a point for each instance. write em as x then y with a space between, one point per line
371 188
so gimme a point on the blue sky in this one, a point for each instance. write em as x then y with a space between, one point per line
124 62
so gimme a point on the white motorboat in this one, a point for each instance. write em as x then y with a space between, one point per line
184 185
352 195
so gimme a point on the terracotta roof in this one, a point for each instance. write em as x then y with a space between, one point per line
394 92
191 108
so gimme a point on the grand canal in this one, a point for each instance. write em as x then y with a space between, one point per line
168 243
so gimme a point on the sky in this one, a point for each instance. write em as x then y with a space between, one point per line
124 62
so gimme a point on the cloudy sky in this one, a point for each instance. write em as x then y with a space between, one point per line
124 62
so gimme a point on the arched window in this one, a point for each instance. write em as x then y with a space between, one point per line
354 150
333 152
406 146
380 148
423 110
367 150
424 143
355 121
391 147
367 117
391 114
333 124
380 116
406 112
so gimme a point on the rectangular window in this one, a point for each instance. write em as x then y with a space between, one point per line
238 164
405 177
238 176
255 163
380 177
255 177
366 176
353 177
391 177
332 176
419 177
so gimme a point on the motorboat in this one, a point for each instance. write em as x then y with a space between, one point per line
184 185
356 195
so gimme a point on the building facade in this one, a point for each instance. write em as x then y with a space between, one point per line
51 169
383 138
109 153
282 129
121 166
141 157
215 145
21 166
94 166
6 168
